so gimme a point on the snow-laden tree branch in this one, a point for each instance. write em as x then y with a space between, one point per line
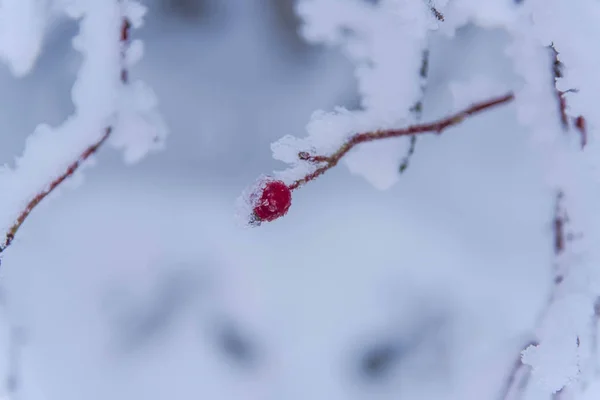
108 107
556 101
274 199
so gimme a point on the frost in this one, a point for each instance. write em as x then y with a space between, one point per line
556 361
48 150
99 97
134 53
139 128
248 200
135 12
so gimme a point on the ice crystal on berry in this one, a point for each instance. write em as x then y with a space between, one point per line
272 201
266 200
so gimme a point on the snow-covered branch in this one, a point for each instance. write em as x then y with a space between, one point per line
386 40
108 108
326 162
262 204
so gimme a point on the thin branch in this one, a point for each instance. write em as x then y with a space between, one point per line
581 126
124 34
434 127
53 185
513 388
436 13
417 110
411 150
560 239
517 378
578 122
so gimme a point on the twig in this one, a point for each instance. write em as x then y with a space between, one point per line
560 235
513 388
435 127
517 378
417 110
578 122
53 185
124 33
560 238
436 13
411 150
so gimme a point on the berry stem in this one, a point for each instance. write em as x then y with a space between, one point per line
436 127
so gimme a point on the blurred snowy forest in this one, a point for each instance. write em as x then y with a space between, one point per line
139 284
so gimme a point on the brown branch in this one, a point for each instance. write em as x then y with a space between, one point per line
124 33
560 219
578 122
560 234
435 127
517 378
438 15
53 185
557 68
580 125
512 387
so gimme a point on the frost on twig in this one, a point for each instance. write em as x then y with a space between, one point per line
417 109
577 122
326 162
556 359
54 155
519 376
390 94
318 164
10 235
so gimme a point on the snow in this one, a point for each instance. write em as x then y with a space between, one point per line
139 128
556 360
96 94
248 200
140 284
386 80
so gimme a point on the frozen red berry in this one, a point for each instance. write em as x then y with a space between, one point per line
273 201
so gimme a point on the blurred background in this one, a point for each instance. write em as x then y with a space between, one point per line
139 284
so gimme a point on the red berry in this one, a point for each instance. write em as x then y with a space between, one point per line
274 201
